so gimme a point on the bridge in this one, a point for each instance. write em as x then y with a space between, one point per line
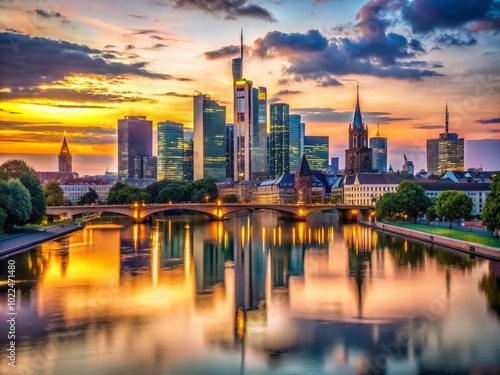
215 211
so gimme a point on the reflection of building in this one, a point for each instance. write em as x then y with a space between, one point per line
170 151
446 152
209 147
279 152
358 157
259 134
378 145
135 142
296 141
316 150
65 159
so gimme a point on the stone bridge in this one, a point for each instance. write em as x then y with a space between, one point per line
215 211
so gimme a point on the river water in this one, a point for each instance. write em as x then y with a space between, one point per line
250 295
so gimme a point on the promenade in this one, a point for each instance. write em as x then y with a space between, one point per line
24 239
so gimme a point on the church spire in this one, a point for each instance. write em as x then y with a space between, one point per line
64 146
65 159
358 120
447 117
241 51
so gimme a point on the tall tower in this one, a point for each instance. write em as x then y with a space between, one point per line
279 144
65 159
243 113
259 134
135 146
378 144
302 189
296 141
170 151
358 157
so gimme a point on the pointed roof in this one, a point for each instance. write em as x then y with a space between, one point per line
406 159
303 169
358 120
64 146
447 118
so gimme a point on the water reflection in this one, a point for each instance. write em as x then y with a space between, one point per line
253 294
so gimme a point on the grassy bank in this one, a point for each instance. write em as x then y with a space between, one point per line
480 238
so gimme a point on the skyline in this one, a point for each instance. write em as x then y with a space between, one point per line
102 62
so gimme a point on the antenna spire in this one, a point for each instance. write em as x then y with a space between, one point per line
378 132
447 118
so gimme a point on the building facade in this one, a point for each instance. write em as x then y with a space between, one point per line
279 140
135 141
170 151
408 166
75 189
230 151
303 182
334 165
296 148
316 151
259 134
378 144
358 157
446 152
243 112
209 144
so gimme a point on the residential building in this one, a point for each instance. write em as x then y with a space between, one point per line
378 144
75 189
170 151
209 144
446 152
135 141
259 169
296 149
358 157
279 152
316 151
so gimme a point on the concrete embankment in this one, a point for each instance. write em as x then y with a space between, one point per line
16 242
463 246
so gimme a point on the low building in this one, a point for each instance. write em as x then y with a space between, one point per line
75 189
367 188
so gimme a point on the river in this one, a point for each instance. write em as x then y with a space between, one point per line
250 295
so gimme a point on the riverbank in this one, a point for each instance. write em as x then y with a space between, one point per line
25 239
471 248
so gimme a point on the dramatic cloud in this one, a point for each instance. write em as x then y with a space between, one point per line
485 25
10 112
279 43
228 9
454 40
489 121
49 15
158 46
157 37
28 62
222 53
318 114
175 94
426 127
288 92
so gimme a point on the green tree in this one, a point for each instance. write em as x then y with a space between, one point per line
490 285
431 213
388 206
54 194
203 188
154 189
15 202
230 198
491 211
412 200
3 215
89 197
453 205
14 168
175 192
122 193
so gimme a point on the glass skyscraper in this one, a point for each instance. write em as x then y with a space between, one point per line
170 151
296 141
135 142
316 152
230 151
378 145
259 134
279 140
209 147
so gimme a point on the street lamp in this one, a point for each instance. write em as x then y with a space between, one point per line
206 198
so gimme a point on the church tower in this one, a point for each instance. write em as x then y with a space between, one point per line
302 189
358 157
65 164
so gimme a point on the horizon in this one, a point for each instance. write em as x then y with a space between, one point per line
102 62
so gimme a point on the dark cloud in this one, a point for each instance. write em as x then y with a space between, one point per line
176 94
137 16
485 25
427 15
49 15
288 92
157 37
274 100
457 39
28 62
416 45
145 31
228 9
10 112
278 43
221 53
158 46
429 127
129 47
495 131
108 46
328 81
318 114
489 121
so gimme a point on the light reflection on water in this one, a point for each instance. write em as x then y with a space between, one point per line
252 295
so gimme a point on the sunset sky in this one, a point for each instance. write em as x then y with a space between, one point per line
79 66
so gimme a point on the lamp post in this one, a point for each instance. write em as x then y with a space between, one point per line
206 198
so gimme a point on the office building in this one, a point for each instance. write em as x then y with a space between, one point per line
408 166
445 153
135 141
259 134
316 151
378 144
188 155
358 157
170 151
65 158
279 143
334 165
296 141
230 151
209 145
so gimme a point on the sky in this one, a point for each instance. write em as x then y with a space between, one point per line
79 66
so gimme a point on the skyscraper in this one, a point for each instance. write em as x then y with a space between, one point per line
358 157
334 165
279 155
408 166
259 134
296 141
445 153
65 158
378 144
135 141
170 151
188 155
316 151
230 151
209 147
242 120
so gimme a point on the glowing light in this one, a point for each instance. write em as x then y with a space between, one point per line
240 324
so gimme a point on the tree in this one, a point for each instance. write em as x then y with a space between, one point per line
453 205
431 213
491 210
176 192
89 197
15 202
388 206
14 169
54 194
412 200
122 193
230 198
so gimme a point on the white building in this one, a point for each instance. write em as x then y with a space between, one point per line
74 190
